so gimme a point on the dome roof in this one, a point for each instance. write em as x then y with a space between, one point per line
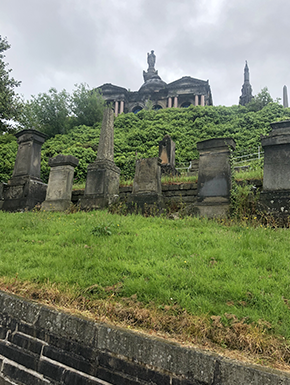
153 84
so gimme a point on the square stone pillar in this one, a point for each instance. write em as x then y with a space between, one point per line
214 177
167 156
103 178
275 197
147 193
59 190
25 189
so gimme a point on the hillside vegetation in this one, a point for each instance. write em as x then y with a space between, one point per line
138 136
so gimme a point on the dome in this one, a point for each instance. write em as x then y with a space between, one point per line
153 84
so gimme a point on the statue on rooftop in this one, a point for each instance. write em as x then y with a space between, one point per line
151 59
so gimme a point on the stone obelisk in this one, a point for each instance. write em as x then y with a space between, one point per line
103 178
285 97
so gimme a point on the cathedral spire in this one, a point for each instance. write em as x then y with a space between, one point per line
246 96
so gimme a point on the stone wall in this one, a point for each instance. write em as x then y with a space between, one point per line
40 346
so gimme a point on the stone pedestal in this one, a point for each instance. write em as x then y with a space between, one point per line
214 177
103 178
167 156
275 197
25 189
147 193
59 190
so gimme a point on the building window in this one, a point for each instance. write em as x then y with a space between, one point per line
185 104
137 109
157 107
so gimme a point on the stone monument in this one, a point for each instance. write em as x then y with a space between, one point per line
59 190
102 184
246 96
147 193
285 97
275 196
214 177
25 189
167 156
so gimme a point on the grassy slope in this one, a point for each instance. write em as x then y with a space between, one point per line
226 275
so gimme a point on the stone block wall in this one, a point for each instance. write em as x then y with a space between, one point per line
179 192
39 345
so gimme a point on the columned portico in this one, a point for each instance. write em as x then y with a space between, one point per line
169 102
202 100
196 100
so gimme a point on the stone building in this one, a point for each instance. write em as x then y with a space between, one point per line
246 96
180 93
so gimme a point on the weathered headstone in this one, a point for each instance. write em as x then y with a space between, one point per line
59 190
214 177
147 193
102 184
167 156
25 189
275 197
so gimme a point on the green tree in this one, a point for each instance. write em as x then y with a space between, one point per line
259 101
47 112
9 101
87 105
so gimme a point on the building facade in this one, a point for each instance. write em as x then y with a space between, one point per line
154 91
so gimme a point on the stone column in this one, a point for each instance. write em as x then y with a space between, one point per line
175 102
275 197
214 177
196 100
116 108
169 102
147 194
25 189
202 100
121 107
59 190
102 184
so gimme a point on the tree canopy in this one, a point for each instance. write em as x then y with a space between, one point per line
57 112
9 100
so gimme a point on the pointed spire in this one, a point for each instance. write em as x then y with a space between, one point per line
246 96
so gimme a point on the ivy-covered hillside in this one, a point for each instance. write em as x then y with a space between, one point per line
138 136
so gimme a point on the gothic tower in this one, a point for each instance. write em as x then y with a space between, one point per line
246 96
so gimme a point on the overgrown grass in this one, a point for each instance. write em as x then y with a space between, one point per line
225 274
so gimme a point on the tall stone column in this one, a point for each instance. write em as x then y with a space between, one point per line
116 108
121 107
169 102
102 184
275 197
202 100
59 190
196 100
214 177
25 189
175 102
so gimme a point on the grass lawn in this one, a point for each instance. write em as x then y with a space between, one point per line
226 284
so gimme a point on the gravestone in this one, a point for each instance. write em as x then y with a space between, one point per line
59 190
25 189
275 196
214 177
103 177
167 156
147 193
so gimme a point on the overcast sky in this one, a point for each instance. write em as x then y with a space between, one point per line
58 43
